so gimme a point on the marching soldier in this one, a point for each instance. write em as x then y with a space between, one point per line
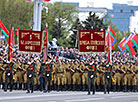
1 71
116 76
84 75
18 74
68 75
30 76
8 76
60 70
25 66
37 73
76 76
45 78
107 78
92 75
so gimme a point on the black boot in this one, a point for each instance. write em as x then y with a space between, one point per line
98 88
20 86
58 88
11 87
118 88
15 86
5 87
83 87
125 88
24 86
74 86
114 88
55 87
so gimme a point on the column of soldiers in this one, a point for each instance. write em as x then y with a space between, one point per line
33 75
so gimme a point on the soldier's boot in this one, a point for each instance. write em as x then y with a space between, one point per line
15 86
114 88
74 86
11 87
5 87
46 89
32 88
94 90
35 87
65 87
41 87
118 88
58 87
55 87
24 86
129 88
79 87
20 86
83 87
134 88
98 88
105 90
125 88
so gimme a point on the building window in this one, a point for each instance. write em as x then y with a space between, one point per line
132 11
121 10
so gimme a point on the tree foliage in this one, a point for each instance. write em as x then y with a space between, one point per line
59 18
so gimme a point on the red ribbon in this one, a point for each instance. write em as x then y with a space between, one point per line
93 67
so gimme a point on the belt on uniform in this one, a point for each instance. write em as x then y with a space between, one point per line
60 72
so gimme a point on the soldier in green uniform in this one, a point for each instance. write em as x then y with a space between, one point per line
30 76
8 76
92 75
45 78
108 77
1 71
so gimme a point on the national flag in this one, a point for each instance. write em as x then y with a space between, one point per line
112 32
120 45
13 43
129 39
45 45
10 47
4 33
2 26
17 32
135 40
129 47
112 37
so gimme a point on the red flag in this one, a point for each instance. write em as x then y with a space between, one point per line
45 45
10 47
135 40
13 37
3 28
47 0
112 31
130 49
120 45
17 32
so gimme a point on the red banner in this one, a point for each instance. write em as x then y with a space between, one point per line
30 41
91 41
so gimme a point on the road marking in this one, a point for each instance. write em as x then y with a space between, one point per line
35 96
79 100
125 96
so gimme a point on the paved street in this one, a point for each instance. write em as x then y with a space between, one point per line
21 96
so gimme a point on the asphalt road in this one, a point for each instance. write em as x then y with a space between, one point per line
67 96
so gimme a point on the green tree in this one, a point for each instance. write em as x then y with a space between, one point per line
59 18
16 13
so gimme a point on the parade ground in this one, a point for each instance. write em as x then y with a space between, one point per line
67 96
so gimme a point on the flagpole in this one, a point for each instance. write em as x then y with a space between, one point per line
9 45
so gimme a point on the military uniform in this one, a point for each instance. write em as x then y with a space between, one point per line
30 77
45 77
36 78
24 73
76 76
116 77
18 74
108 78
8 76
68 76
1 72
91 77
60 70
